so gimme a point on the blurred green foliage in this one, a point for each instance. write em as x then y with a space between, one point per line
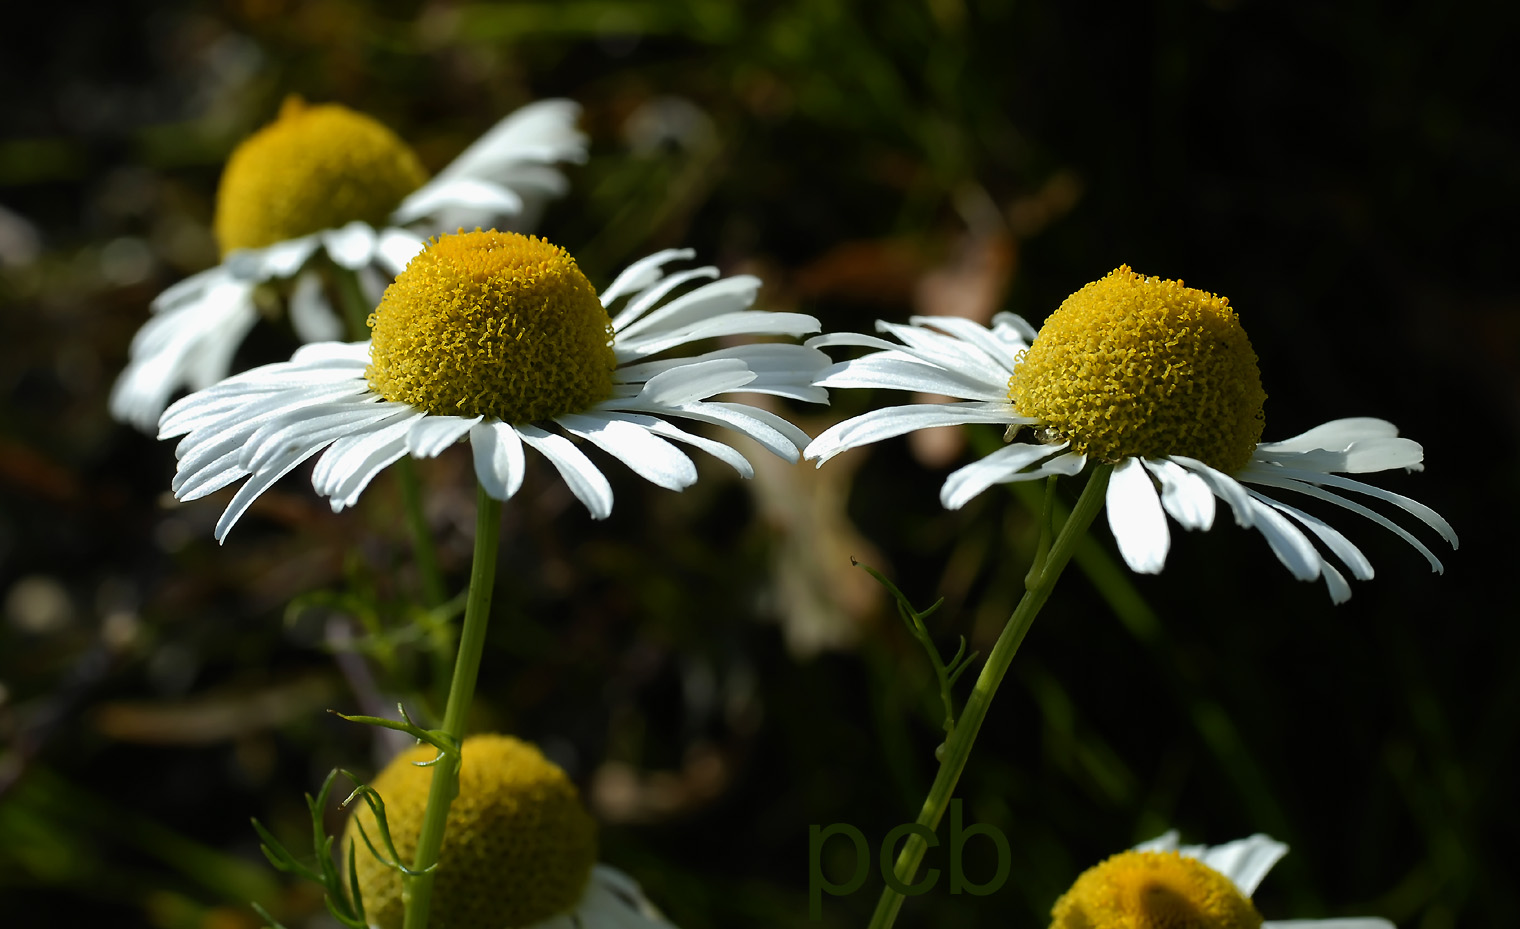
707 665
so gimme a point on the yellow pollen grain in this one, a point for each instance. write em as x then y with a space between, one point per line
313 168
492 324
1153 890
1139 366
518 846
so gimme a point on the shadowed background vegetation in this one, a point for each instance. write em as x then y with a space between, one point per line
708 666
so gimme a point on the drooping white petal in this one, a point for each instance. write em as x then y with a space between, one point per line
887 422
1257 474
1322 494
1001 466
999 344
779 437
351 247
1360 457
727 324
543 131
583 478
255 486
670 431
322 423
1184 495
310 316
780 369
1290 546
381 455
648 455
352 462
499 461
1245 861
1334 540
611 900
432 434
1223 486
950 353
469 193
1011 325
1136 518
396 248
280 260
643 273
189 290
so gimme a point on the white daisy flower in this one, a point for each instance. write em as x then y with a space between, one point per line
1160 884
496 337
1155 378
327 180
519 849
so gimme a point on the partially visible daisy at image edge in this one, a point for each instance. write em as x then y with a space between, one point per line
326 180
1158 380
498 338
519 851
1160 884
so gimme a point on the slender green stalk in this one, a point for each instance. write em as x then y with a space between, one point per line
957 748
417 889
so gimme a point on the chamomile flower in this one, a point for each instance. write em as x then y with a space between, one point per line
1161 885
1154 378
500 338
519 849
326 180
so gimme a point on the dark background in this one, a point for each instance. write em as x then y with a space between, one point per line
707 665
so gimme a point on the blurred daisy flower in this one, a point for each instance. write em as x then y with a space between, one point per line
325 180
519 849
1158 380
496 336
1160 885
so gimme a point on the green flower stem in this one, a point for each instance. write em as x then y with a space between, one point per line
957 748
417 889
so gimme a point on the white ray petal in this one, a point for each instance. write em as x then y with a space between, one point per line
189 290
780 369
1245 861
378 458
1165 842
949 353
470 193
582 477
310 315
778 436
670 431
887 422
351 462
647 455
723 296
1420 511
542 131
1136 518
1001 466
351 247
996 344
1359 457
656 292
643 273
256 486
1351 922
1184 495
696 381
1336 434
396 249
280 260
727 324
432 434
1320 493
882 370
1290 546
1224 487
1361 568
498 454
1011 325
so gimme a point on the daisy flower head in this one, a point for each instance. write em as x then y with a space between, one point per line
499 338
1151 377
326 180
1161 885
519 849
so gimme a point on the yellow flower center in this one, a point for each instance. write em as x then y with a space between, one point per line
1133 365
518 847
1153 890
313 168
494 324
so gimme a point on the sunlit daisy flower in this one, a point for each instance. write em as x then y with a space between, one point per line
519 849
1154 378
1161 885
325 180
499 338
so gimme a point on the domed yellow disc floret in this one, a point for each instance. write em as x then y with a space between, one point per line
313 168
1153 890
494 324
1134 365
518 847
